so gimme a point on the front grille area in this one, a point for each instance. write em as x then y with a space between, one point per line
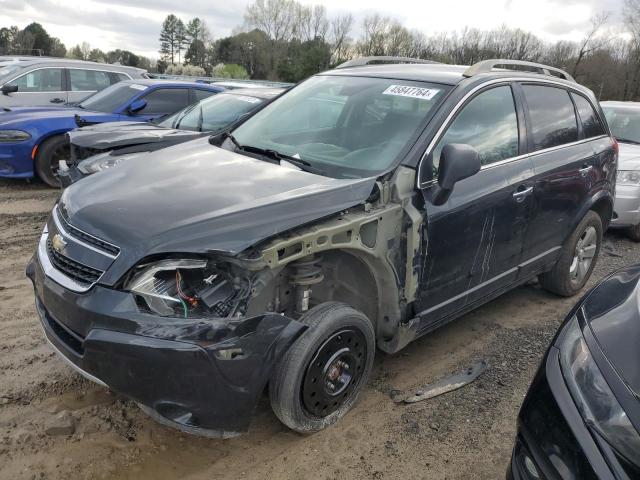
72 269
85 237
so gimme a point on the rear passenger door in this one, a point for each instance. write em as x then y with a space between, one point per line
39 87
164 101
563 162
84 82
474 241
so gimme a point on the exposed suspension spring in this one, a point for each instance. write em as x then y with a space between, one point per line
305 272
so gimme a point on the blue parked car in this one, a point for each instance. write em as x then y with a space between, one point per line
33 141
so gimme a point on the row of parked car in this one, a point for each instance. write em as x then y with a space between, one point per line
205 261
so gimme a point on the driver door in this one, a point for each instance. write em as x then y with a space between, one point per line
474 241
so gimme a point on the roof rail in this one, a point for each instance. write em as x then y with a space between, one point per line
487 66
364 61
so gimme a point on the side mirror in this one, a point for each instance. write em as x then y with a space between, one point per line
7 89
457 162
137 105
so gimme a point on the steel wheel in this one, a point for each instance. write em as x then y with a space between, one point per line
583 256
333 372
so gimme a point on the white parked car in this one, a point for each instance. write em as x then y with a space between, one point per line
43 82
624 121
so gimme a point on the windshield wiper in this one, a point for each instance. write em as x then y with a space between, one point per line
627 140
275 155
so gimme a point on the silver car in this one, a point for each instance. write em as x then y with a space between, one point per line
48 81
624 121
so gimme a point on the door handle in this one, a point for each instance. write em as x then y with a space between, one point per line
520 195
585 170
57 100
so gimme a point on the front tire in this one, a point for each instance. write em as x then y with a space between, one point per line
577 259
50 152
320 377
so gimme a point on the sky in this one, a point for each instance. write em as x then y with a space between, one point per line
135 25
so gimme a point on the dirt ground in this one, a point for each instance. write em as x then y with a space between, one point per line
465 434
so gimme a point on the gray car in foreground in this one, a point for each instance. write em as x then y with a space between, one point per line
43 82
624 121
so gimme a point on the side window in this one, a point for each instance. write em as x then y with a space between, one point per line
117 77
43 80
553 118
591 124
202 94
165 100
488 123
88 80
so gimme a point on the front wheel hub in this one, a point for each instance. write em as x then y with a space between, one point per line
334 372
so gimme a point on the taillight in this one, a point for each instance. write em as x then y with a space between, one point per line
616 147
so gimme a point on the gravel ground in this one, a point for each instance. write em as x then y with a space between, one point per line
56 425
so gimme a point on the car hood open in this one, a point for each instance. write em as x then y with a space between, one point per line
112 135
196 198
613 312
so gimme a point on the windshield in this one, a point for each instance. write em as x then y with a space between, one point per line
8 71
348 127
213 113
109 99
624 123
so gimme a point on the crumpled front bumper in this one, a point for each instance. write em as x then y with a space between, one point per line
203 376
627 206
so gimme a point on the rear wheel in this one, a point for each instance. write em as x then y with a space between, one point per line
319 378
50 152
577 259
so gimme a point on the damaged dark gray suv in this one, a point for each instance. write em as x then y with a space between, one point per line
364 208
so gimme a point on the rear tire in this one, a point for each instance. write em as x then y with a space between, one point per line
50 152
321 375
634 233
577 259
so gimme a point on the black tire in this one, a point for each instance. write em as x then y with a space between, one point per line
559 279
50 152
295 383
634 233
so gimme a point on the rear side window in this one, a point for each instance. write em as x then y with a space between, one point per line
553 118
202 94
43 80
591 125
88 80
488 123
166 100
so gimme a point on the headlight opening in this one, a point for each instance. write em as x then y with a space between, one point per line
594 398
188 288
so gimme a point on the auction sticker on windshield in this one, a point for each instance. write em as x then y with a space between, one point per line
413 92
137 87
247 99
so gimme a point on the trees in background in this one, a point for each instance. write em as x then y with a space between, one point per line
32 40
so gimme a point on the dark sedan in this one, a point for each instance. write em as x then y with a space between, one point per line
581 416
98 147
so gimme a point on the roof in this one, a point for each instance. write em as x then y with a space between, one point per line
436 72
157 81
619 104
440 73
28 61
264 93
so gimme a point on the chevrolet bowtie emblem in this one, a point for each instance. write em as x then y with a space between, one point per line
58 243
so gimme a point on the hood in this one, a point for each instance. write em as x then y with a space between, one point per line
628 156
613 312
123 134
20 115
197 198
